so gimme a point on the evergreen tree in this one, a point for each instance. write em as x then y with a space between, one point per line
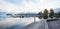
51 15
45 14
40 13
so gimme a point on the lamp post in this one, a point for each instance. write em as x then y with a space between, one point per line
34 19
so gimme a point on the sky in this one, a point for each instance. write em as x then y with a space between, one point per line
18 6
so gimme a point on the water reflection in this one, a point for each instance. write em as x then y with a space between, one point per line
8 22
15 23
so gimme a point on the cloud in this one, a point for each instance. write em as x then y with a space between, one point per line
8 7
28 5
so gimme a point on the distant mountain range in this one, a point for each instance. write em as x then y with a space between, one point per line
56 10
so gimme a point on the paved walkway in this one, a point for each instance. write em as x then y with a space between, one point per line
37 25
54 24
51 24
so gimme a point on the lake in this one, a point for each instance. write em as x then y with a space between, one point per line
15 23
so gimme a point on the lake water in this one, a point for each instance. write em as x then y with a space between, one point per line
15 23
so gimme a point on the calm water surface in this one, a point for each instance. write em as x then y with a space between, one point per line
15 23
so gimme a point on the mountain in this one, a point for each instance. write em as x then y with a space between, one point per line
56 10
2 14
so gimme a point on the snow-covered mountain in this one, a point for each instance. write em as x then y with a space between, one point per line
56 10
2 14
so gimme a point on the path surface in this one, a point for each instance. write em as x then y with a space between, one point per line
54 24
37 25
51 24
